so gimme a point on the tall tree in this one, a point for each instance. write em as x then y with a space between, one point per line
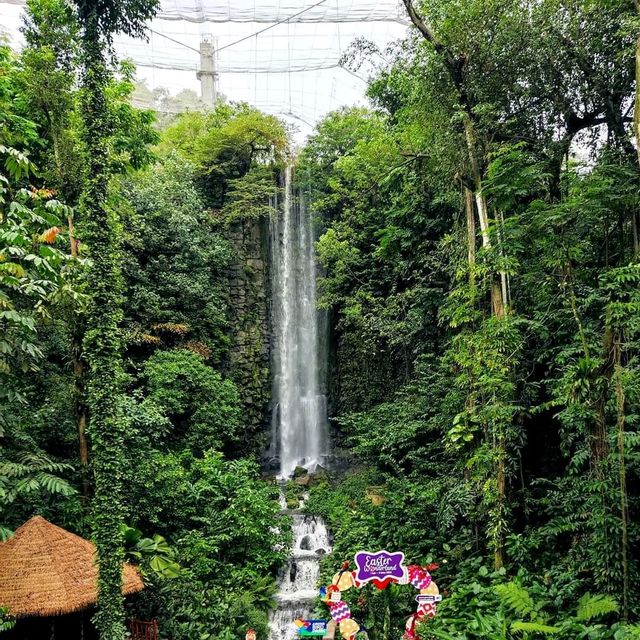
636 111
49 76
455 64
99 21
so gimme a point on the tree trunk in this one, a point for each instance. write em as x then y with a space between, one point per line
501 492
599 445
77 335
636 109
476 175
455 66
622 476
471 236
80 407
102 340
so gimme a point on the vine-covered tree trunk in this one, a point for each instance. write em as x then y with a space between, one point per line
79 381
471 236
102 342
622 474
636 111
80 406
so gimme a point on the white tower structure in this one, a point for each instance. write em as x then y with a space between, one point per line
208 72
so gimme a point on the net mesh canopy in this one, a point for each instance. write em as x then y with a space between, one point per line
274 11
282 56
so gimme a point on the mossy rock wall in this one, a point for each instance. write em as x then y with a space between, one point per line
249 299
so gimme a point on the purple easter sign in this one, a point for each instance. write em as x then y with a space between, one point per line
379 566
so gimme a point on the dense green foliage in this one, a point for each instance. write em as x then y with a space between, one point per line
102 341
479 254
481 264
175 257
120 420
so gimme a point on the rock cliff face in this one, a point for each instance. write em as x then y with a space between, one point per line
250 332
253 279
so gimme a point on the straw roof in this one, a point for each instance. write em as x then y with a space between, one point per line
47 571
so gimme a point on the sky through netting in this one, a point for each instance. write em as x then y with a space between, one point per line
280 55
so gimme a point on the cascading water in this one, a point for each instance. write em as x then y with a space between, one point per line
299 403
298 580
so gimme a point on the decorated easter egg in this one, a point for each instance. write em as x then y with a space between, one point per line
343 580
339 611
419 577
427 610
431 589
349 627
410 628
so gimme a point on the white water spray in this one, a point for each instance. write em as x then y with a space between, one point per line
299 416
299 403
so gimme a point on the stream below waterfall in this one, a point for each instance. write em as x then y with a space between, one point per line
297 584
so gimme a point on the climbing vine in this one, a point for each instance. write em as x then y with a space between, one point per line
102 341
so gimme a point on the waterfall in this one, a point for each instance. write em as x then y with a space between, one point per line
299 422
299 411
298 579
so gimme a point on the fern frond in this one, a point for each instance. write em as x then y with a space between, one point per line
590 607
32 459
533 627
12 469
53 484
517 598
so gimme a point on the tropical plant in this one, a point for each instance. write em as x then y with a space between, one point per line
154 553
32 263
6 623
27 474
102 341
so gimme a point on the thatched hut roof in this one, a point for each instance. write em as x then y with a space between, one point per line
47 571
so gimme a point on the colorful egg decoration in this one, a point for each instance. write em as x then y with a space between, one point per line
348 628
405 577
343 580
431 590
410 628
419 577
427 610
339 611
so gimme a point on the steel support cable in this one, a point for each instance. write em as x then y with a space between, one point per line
308 67
271 26
251 35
